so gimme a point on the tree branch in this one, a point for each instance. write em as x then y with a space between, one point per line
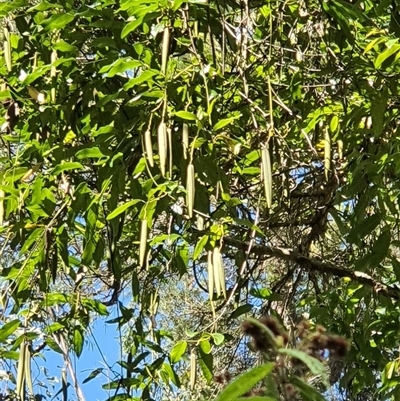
314 265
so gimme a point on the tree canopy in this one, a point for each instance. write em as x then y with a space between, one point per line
195 173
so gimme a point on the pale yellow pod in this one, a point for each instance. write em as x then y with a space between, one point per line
36 95
148 147
210 271
7 55
28 372
185 140
192 369
6 33
162 146
165 49
267 174
327 154
169 137
200 222
2 195
340 149
53 73
222 275
143 242
20 385
190 189
216 261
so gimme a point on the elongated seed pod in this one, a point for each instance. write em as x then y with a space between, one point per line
162 146
192 369
222 275
143 242
185 140
20 390
7 54
216 261
210 271
2 195
169 137
340 149
165 50
190 189
148 147
53 72
267 174
327 154
28 372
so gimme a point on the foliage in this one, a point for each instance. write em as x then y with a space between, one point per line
244 155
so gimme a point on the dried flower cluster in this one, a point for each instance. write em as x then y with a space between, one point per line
268 336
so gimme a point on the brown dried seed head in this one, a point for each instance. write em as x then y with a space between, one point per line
275 327
219 379
338 346
318 341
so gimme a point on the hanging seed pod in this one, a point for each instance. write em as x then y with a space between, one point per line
162 146
190 189
2 195
148 147
340 149
165 50
216 262
266 174
169 137
327 154
200 222
210 271
185 140
7 54
192 369
28 372
53 73
20 385
143 242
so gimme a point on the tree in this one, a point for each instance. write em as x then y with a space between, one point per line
245 150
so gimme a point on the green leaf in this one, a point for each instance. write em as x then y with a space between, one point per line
364 228
93 375
186 115
120 66
378 109
205 345
131 26
65 47
89 153
206 363
218 338
7 7
8 329
226 121
78 341
58 21
177 351
200 246
241 310
316 367
120 209
380 248
308 392
386 54
66 167
245 382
